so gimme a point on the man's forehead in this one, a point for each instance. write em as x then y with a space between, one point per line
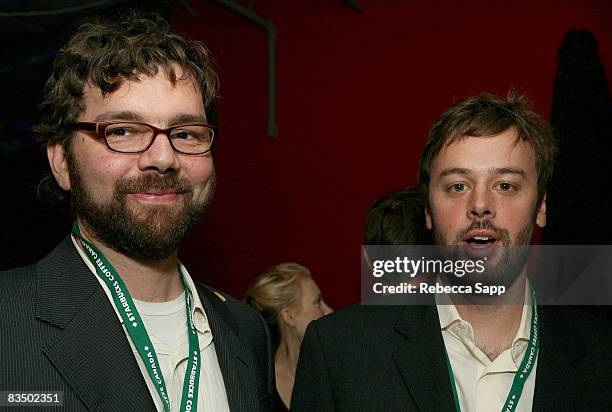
122 85
485 153
149 97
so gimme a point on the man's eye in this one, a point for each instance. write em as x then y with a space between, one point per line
120 131
183 134
506 187
457 188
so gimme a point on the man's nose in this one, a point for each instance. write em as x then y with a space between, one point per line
481 204
160 156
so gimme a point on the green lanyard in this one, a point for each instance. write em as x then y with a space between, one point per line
138 333
525 368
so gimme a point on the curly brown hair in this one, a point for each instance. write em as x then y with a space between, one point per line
107 52
104 54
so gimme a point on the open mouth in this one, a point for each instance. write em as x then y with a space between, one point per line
481 243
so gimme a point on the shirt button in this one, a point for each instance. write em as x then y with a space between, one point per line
461 325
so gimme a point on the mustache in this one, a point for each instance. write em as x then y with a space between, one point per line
152 181
503 234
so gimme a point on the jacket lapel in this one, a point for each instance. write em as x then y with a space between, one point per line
562 372
91 352
236 363
418 351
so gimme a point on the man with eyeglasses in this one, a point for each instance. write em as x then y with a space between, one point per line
111 320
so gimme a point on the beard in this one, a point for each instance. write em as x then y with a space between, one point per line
149 234
504 269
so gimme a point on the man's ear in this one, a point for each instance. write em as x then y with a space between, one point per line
428 220
541 213
59 163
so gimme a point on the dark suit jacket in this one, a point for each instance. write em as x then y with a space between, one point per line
59 332
391 358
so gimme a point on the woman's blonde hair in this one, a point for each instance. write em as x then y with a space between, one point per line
275 290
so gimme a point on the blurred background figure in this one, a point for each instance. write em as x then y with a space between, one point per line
397 218
289 299
394 223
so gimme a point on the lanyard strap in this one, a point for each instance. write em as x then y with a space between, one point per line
524 370
138 333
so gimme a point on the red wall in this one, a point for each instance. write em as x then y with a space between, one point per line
356 94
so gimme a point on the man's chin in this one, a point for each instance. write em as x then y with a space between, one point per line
157 225
158 213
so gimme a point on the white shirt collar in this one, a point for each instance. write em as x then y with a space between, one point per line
451 320
200 320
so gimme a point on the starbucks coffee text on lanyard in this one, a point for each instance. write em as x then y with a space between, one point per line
138 333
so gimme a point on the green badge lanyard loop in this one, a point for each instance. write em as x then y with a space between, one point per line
138 333
524 370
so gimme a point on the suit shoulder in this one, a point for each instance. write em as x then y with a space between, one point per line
359 312
596 329
359 318
248 323
18 272
580 319
238 309
577 325
19 278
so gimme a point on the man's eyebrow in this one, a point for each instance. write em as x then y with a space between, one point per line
510 170
130 116
119 115
187 118
495 171
455 171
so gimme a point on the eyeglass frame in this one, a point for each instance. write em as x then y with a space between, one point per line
99 128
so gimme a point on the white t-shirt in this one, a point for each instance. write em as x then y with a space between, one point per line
166 323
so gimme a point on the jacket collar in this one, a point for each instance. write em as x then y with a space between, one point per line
237 363
91 352
562 372
417 349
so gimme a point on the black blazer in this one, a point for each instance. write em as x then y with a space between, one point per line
391 358
59 332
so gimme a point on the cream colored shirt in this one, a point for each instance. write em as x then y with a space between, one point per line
173 357
482 384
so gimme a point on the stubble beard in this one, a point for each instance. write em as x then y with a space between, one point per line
149 234
507 266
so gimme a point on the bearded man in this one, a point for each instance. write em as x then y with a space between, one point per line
484 170
111 320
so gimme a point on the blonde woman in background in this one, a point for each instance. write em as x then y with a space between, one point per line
289 299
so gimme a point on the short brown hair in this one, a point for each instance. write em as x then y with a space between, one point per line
397 218
107 52
489 115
